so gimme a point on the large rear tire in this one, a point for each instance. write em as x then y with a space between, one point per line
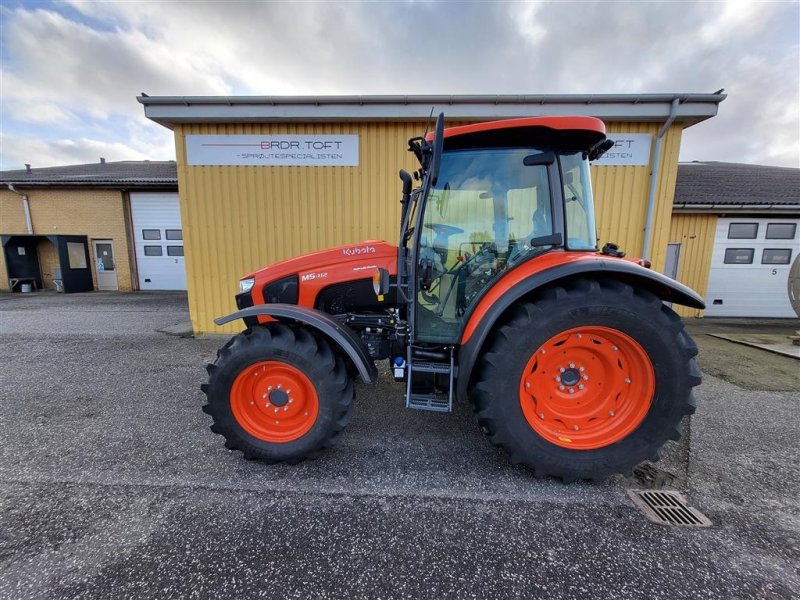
586 380
278 393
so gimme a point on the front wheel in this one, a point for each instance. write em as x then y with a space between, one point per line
587 380
278 393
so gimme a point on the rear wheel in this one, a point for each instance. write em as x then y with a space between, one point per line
278 393
586 380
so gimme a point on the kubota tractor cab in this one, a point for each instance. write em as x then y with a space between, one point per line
496 294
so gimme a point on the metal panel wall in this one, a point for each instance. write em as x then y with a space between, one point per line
695 234
237 219
621 195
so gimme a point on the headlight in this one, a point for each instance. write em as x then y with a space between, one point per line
245 285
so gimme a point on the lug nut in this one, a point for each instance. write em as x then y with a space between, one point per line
562 369
586 378
263 396
561 387
571 365
580 386
571 390
279 386
288 391
291 400
558 378
269 388
581 369
277 409
285 408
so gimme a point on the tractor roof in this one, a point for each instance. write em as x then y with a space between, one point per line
569 133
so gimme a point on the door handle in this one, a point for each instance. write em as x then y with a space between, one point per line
426 274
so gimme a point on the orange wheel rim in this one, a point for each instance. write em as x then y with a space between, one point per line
587 388
274 401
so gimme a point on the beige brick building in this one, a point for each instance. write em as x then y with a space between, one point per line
47 214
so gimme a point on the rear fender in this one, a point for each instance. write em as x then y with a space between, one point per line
525 279
341 335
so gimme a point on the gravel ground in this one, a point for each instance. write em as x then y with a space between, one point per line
111 486
747 367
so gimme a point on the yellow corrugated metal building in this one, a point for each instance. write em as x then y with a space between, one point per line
239 217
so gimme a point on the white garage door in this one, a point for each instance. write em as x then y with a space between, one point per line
159 241
750 267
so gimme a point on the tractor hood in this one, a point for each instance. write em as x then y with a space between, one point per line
317 270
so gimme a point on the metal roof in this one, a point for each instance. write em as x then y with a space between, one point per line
172 110
121 174
723 187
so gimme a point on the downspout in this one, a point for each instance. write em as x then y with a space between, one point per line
25 206
651 195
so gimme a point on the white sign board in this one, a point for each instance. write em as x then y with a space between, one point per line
629 149
272 150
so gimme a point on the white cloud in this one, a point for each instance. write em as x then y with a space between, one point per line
81 79
45 153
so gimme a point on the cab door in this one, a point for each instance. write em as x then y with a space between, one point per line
477 222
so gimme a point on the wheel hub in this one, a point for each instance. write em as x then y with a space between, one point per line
274 401
570 377
587 387
278 397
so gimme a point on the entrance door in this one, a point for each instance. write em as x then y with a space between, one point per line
104 263
73 256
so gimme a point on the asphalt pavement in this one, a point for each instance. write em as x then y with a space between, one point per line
112 486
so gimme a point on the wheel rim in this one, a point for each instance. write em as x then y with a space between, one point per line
587 388
274 401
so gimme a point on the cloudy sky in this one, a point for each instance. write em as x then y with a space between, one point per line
70 70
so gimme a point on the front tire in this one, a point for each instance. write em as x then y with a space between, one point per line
278 393
586 380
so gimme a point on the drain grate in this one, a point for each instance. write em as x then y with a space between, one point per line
668 508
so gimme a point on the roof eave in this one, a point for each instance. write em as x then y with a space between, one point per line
725 208
175 110
122 185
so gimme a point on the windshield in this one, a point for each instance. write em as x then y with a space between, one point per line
479 221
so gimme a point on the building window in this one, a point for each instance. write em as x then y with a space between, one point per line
76 255
174 234
776 256
739 256
174 250
153 251
151 234
742 231
781 231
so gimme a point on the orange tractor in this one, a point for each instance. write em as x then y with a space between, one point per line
496 294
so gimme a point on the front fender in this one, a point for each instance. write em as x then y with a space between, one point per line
352 345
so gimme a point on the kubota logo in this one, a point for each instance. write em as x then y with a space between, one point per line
310 276
357 251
